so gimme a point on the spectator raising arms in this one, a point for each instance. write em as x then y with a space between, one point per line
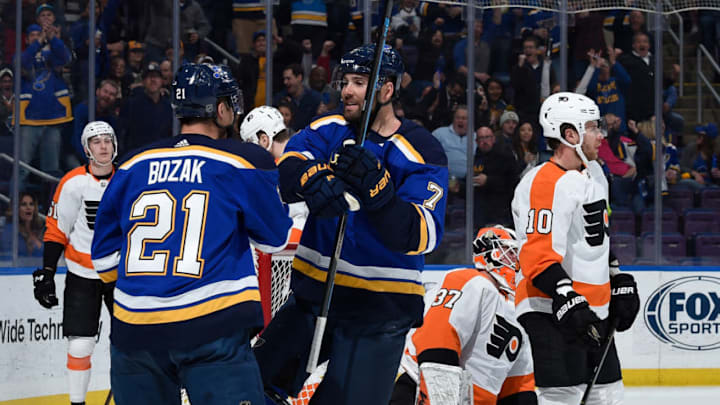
45 98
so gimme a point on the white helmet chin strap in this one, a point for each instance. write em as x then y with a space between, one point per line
578 149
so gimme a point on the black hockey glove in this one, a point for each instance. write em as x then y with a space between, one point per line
324 193
44 283
364 173
572 312
624 301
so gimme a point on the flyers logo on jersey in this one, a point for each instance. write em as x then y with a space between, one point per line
91 208
505 337
596 222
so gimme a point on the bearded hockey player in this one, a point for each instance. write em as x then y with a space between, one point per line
399 177
70 228
470 349
564 298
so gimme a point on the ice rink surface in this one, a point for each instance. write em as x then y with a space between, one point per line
672 396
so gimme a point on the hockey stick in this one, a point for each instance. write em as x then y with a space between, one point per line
321 321
600 364
109 397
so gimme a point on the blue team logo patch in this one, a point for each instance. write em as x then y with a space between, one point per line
684 313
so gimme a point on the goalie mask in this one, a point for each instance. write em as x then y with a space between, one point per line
98 128
495 250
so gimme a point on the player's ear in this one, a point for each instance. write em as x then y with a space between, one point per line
386 92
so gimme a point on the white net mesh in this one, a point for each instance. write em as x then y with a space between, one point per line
577 6
274 275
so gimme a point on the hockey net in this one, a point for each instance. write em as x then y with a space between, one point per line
274 271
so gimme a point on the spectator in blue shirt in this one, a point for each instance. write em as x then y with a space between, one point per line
674 121
609 85
44 98
454 143
481 50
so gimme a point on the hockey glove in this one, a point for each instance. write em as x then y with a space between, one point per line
572 313
624 301
45 287
324 193
364 173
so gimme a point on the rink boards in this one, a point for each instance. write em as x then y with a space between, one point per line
674 341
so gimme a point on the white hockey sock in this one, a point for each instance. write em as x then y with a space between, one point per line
79 352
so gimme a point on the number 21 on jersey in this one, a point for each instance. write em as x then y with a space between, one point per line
189 262
540 221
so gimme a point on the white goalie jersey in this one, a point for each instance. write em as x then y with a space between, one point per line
71 218
561 217
470 317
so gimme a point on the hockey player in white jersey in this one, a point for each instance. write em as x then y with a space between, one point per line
265 126
70 228
569 294
470 348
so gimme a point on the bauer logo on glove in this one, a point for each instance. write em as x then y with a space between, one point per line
313 170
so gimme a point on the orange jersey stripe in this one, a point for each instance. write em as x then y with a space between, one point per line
80 258
597 295
520 383
295 235
537 253
483 397
437 331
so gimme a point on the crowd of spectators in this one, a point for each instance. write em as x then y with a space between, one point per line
516 66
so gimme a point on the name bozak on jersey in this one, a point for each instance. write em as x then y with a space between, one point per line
470 316
561 217
71 218
174 228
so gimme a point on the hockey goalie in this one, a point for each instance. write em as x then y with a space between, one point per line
470 349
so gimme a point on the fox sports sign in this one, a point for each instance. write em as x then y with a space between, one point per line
684 313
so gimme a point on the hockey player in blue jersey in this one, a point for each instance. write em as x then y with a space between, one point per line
400 178
174 229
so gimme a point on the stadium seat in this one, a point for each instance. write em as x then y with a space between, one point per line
669 220
624 246
680 199
710 198
673 244
622 220
707 244
697 220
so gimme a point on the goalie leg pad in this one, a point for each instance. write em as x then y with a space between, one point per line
442 384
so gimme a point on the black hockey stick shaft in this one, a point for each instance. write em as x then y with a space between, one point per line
596 373
109 397
321 320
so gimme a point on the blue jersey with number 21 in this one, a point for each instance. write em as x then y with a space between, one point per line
174 229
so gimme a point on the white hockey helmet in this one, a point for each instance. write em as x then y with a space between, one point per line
568 108
98 128
262 119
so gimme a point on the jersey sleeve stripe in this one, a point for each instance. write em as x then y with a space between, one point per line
537 253
330 119
183 314
423 245
515 384
286 155
345 279
407 149
194 150
432 230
